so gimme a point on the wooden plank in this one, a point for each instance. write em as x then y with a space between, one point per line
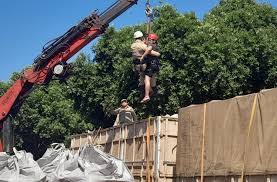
121 143
134 147
125 143
115 150
143 148
112 141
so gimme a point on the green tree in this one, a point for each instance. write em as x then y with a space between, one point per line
239 51
47 116
3 87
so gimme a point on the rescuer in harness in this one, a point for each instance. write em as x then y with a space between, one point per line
152 67
140 50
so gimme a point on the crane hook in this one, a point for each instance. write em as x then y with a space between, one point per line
149 14
148 10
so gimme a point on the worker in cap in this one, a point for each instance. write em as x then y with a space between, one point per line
139 50
125 113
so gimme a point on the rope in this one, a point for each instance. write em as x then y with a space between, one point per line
95 136
248 134
203 143
149 14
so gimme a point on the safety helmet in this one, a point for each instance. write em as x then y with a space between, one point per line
124 100
153 36
138 34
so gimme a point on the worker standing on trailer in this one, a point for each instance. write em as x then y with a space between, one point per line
139 50
126 114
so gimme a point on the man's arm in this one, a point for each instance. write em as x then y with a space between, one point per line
151 52
116 123
155 53
115 112
147 50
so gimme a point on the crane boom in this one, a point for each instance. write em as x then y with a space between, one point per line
52 61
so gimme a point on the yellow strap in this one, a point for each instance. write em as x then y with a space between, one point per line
148 149
203 143
248 134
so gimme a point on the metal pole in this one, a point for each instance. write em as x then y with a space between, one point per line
158 148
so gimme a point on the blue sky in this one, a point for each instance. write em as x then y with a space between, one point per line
27 25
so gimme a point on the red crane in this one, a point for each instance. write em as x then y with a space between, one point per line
52 61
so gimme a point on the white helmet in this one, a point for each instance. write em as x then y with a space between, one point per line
138 34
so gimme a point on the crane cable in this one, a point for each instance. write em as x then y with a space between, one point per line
149 14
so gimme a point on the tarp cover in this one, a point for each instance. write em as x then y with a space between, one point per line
59 165
233 143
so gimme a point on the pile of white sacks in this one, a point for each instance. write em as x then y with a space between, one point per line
59 164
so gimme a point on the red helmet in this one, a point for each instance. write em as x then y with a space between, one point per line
153 36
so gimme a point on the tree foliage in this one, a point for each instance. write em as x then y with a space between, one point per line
48 116
3 87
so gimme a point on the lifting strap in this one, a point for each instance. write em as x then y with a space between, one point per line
203 143
148 149
253 111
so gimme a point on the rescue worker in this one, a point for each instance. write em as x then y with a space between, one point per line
152 67
126 113
140 48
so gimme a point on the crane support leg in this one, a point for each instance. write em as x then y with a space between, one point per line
7 135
